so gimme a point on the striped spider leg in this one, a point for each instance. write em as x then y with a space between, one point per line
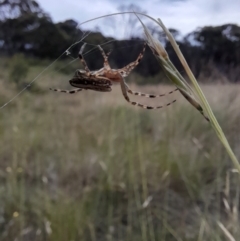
125 71
101 80
125 89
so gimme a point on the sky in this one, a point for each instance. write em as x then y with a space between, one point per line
183 15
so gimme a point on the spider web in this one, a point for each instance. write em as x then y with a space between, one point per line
66 52
92 49
128 30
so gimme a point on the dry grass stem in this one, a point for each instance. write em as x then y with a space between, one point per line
226 232
192 95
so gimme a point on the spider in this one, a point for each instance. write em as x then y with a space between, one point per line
101 80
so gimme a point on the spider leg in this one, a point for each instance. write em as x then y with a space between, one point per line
125 71
124 92
105 57
147 95
67 91
80 56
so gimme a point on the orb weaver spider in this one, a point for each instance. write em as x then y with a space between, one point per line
101 80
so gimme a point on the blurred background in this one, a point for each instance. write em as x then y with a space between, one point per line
89 166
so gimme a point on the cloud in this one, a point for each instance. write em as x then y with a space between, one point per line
184 15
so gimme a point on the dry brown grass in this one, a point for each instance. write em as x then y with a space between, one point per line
80 167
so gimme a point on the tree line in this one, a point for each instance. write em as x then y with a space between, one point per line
26 28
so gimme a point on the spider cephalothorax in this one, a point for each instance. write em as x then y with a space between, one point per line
101 80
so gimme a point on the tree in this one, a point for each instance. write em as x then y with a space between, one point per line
220 43
26 28
16 8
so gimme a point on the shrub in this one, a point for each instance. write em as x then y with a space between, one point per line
18 70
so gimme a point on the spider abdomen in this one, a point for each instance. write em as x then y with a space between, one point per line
91 83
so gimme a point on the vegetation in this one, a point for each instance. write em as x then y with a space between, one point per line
19 70
90 166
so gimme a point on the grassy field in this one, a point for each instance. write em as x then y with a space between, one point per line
92 167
